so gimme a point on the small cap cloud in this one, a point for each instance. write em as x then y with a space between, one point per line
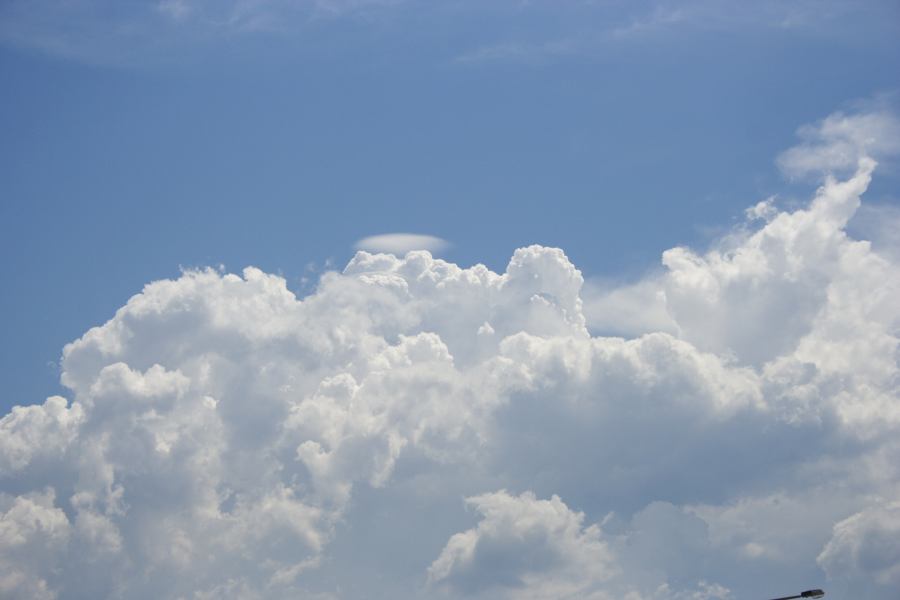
401 243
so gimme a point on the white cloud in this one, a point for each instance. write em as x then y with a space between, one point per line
224 438
629 310
33 536
524 546
37 431
788 276
840 141
866 547
778 276
401 243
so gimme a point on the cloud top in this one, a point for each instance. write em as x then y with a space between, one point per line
840 141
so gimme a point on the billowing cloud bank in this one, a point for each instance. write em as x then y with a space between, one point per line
414 430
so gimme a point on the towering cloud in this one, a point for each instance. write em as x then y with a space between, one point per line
417 429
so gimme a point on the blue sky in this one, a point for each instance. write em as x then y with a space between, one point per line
145 141
612 130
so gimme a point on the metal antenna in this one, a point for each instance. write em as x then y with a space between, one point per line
806 594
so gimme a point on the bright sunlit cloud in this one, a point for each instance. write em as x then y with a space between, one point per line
222 438
839 141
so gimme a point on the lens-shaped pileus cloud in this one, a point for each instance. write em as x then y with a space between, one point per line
415 429
401 243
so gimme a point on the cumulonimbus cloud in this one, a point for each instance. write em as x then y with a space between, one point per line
417 429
